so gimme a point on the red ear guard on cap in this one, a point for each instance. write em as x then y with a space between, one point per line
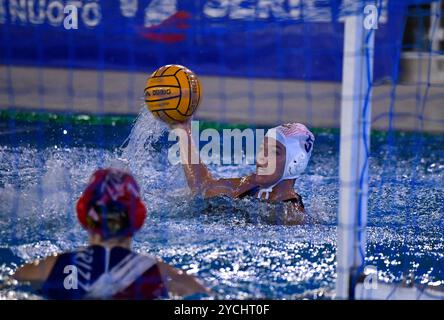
111 193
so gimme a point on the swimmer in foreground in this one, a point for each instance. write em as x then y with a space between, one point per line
283 156
111 210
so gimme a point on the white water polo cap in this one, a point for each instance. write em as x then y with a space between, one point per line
298 142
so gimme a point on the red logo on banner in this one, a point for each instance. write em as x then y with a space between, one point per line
169 30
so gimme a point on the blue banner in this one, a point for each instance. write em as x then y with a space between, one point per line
288 39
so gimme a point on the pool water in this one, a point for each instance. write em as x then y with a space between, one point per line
229 244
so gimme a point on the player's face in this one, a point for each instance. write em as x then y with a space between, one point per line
270 162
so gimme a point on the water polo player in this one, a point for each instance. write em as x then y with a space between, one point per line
283 156
111 210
